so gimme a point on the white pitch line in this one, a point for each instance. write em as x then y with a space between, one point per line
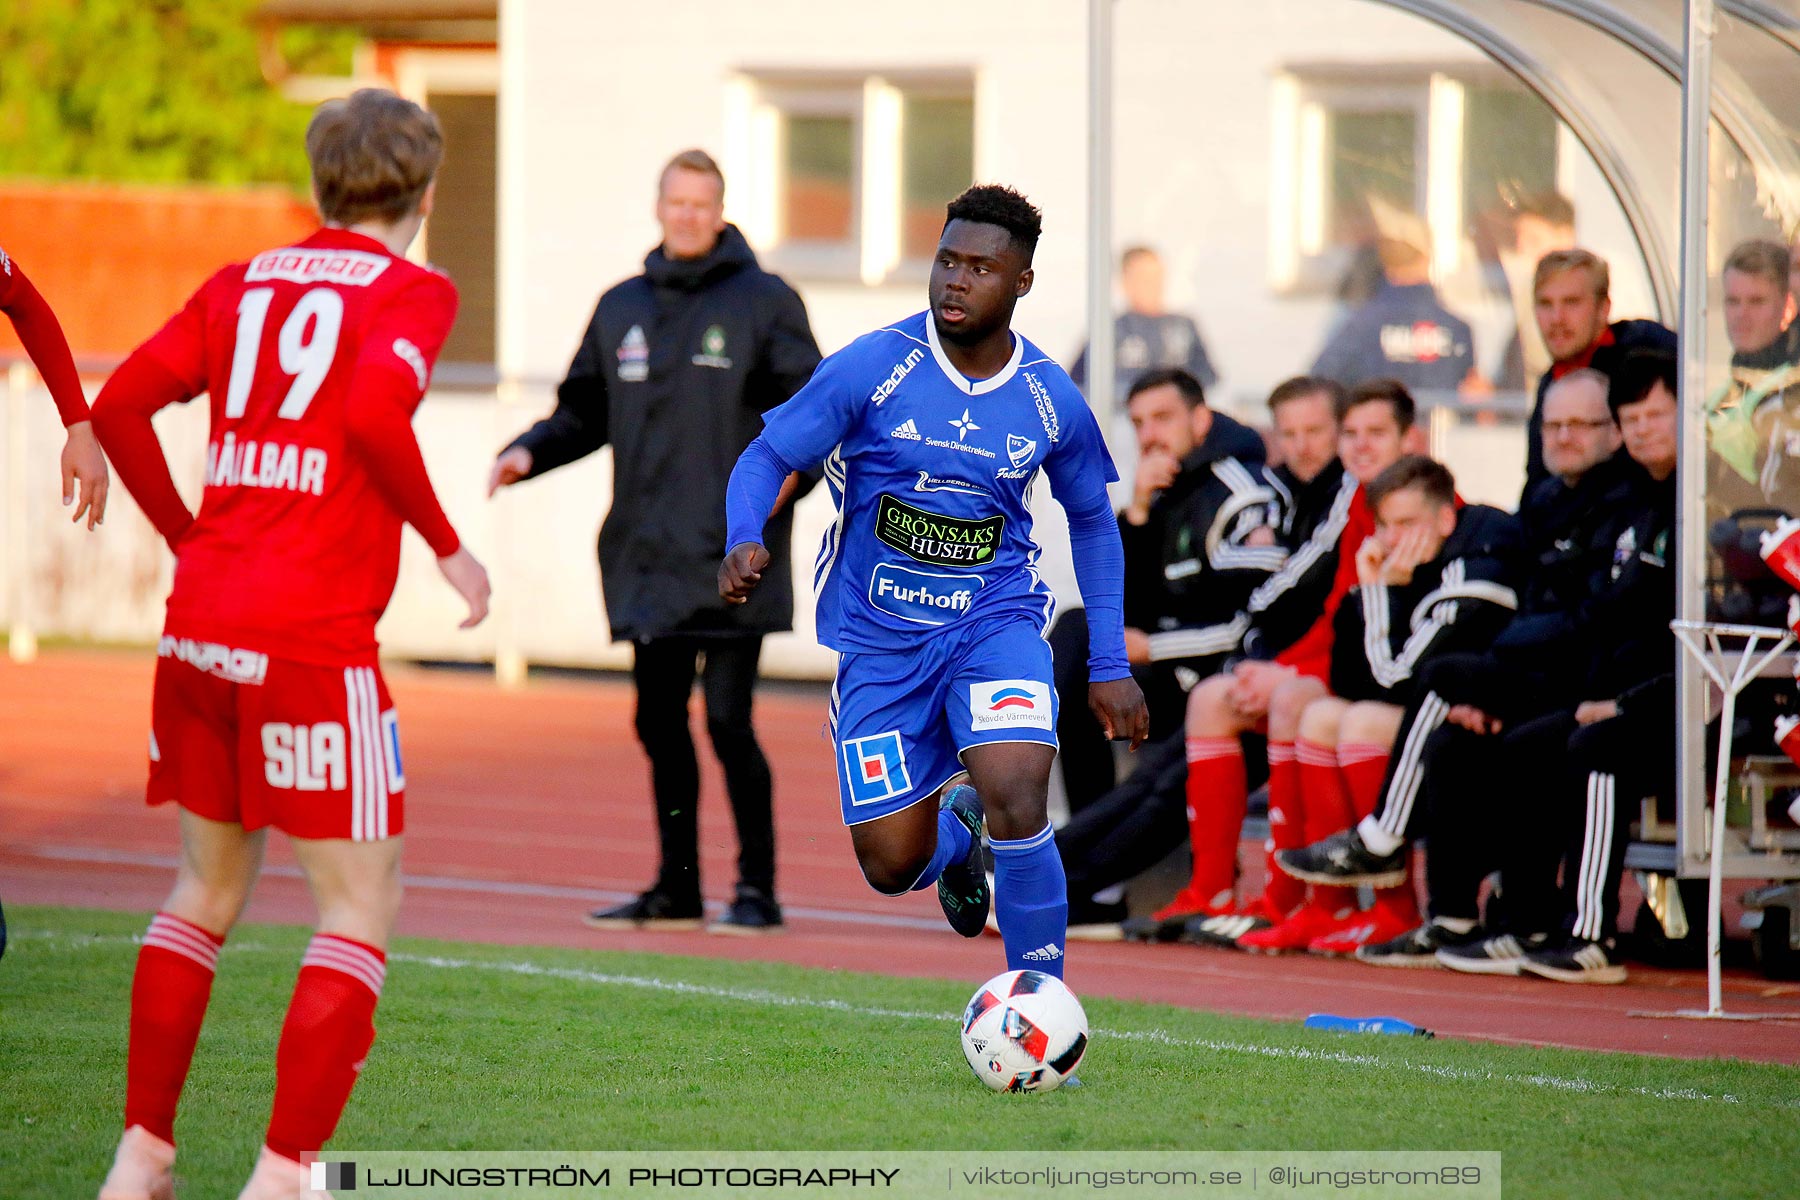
453 883
1561 1083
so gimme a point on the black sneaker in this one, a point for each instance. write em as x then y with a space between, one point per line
652 908
1501 954
1343 860
1224 929
963 887
1576 960
1153 929
753 912
1415 948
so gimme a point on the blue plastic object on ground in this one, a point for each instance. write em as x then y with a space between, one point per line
1393 1025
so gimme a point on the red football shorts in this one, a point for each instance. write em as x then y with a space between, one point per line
238 736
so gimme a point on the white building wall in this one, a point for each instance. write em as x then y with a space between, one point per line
594 97
597 96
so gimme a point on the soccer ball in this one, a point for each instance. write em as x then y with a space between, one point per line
1024 1031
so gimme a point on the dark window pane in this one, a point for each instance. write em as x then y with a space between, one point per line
462 235
1509 148
1371 157
938 162
819 200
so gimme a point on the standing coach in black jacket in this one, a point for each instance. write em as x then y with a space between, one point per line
675 371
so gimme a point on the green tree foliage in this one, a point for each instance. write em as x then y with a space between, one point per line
154 91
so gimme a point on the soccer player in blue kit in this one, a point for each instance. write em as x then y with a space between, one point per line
932 432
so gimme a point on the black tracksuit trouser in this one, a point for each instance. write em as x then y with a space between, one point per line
1581 812
1547 795
663 670
1425 751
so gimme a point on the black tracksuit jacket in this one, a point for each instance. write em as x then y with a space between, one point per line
675 371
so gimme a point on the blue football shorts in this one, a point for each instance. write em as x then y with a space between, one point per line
901 720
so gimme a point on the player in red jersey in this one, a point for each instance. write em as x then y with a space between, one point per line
48 350
42 337
269 705
1374 421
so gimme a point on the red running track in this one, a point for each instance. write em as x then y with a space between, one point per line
525 808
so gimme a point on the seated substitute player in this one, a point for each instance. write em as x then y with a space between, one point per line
1134 826
269 705
1269 696
934 602
48 350
1200 498
1539 663
1437 578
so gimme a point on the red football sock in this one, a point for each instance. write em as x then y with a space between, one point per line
1286 822
1216 798
1364 766
330 1027
1327 811
169 992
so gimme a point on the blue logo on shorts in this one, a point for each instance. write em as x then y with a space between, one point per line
875 768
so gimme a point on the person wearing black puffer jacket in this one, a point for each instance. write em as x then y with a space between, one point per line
675 371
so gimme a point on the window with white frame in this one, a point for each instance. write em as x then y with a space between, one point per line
846 176
1457 146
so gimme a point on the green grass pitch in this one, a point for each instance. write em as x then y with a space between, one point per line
506 1048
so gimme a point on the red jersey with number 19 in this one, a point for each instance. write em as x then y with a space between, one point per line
315 357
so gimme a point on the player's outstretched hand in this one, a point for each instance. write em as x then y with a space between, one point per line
84 464
512 466
742 571
470 580
1119 707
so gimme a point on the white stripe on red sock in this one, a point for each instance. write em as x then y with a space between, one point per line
1358 752
1200 749
184 938
366 966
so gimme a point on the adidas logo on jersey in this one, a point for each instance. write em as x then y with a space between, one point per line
907 429
1046 953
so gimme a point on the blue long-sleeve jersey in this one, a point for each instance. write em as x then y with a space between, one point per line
932 473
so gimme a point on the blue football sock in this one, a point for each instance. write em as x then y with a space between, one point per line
952 847
1031 902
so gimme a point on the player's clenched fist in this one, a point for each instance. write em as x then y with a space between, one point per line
742 571
1119 707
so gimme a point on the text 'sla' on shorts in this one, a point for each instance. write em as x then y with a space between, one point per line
240 737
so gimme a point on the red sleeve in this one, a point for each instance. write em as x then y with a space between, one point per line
1311 655
180 345
392 373
43 339
168 369
140 388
